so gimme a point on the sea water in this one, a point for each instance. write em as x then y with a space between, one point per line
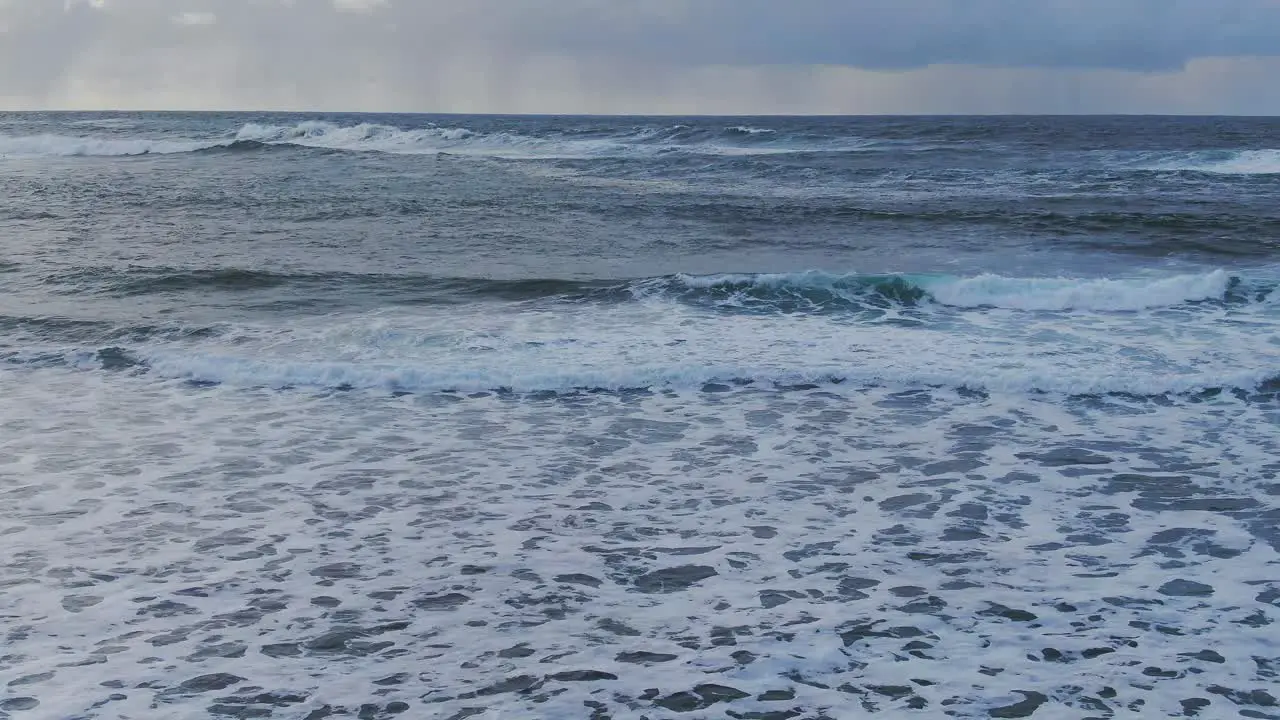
448 417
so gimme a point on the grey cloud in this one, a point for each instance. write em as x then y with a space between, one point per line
1131 34
605 55
887 34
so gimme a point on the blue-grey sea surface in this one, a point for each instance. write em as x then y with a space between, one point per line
311 416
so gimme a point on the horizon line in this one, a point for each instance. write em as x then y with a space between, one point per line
206 111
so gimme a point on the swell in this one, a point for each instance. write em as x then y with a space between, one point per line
812 291
235 147
154 281
1251 231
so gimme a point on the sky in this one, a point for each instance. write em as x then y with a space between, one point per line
645 56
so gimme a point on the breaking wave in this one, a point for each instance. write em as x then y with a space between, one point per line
606 140
693 332
435 140
787 292
366 137
994 291
1241 162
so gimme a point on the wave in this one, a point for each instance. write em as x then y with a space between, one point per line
161 280
228 279
640 141
107 123
71 146
369 137
687 331
984 291
240 146
1241 162
254 137
812 291
435 140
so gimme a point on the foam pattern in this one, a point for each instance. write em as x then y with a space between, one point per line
191 551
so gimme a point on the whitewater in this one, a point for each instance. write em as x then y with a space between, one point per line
623 142
430 140
1059 335
320 416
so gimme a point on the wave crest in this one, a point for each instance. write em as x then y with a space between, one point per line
983 291
801 292
431 139
1240 162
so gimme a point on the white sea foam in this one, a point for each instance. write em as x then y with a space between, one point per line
364 137
461 141
1249 162
283 373
988 290
367 137
1242 162
1077 293
197 551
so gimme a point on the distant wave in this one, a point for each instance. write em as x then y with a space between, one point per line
107 123
435 140
1242 162
787 292
368 137
644 141
72 146
601 142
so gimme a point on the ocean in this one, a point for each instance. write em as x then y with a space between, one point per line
326 415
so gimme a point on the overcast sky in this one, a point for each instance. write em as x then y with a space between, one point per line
645 56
